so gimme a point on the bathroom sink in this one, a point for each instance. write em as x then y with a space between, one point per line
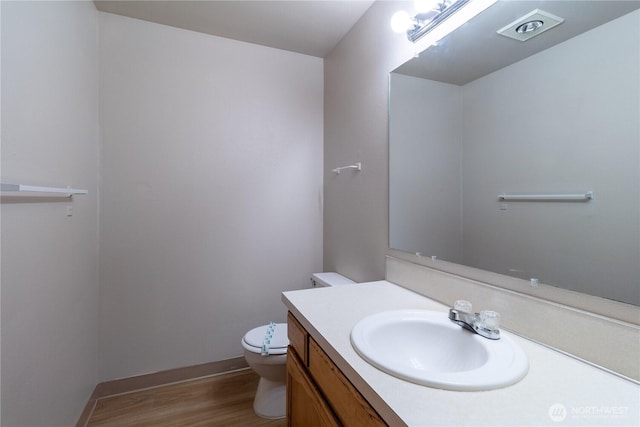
426 348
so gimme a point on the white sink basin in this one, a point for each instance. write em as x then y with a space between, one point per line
426 348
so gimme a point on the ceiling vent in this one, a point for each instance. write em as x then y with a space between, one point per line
530 25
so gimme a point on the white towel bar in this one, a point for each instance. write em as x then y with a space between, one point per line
546 197
356 166
34 189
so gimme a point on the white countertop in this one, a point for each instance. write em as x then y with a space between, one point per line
555 385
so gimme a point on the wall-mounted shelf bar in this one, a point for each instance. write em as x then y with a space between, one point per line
356 166
34 189
546 197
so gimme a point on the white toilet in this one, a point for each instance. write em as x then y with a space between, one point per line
265 350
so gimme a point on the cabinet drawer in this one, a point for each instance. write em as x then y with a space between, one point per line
348 404
297 337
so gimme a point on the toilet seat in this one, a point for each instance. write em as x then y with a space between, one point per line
255 338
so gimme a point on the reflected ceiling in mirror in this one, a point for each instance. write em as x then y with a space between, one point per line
476 49
481 114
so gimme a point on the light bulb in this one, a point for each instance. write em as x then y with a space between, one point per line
423 6
400 21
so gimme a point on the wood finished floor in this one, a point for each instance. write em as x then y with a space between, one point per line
222 400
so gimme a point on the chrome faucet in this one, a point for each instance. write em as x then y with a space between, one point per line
484 323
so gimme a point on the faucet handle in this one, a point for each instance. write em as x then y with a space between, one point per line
490 319
462 306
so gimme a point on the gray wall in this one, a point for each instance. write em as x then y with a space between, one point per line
211 189
356 129
49 260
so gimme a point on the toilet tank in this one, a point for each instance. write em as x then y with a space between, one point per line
320 280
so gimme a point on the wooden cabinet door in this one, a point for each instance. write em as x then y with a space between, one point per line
305 405
350 407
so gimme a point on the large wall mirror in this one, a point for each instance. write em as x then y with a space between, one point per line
552 118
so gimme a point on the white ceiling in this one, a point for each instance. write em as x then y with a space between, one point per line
309 27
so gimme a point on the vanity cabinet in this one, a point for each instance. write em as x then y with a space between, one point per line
318 393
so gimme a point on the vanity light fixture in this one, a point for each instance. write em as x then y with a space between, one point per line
436 18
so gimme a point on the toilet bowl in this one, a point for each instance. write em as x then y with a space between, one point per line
265 350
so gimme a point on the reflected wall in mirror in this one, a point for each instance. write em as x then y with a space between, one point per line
480 114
